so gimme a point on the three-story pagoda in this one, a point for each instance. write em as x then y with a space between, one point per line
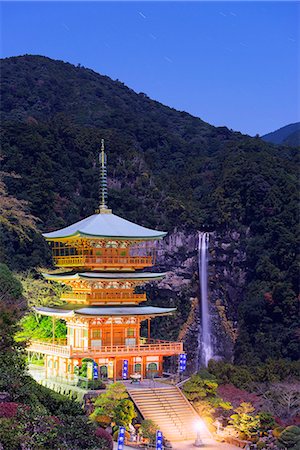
105 257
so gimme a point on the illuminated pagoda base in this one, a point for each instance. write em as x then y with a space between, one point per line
108 335
104 256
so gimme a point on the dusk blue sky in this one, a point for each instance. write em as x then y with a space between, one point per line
230 63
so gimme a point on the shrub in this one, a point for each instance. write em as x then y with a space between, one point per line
8 409
243 421
91 384
105 436
290 438
148 430
266 420
236 396
227 373
9 436
56 403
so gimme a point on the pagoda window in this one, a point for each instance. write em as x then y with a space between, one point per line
130 332
103 371
138 367
96 334
78 337
152 370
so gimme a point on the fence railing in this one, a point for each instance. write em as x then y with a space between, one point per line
99 261
159 347
107 295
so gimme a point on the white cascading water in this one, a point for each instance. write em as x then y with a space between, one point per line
206 341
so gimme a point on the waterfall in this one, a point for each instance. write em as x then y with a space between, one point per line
205 336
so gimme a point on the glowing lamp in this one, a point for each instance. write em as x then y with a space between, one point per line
199 427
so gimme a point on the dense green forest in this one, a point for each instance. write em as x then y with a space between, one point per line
288 135
167 169
32 416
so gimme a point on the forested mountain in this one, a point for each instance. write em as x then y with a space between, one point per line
167 169
288 135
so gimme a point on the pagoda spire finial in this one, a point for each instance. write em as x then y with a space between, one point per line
103 209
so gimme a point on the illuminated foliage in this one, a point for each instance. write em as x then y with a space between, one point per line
114 403
244 421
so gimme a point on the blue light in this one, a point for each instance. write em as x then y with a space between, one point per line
159 440
95 371
121 438
125 369
182 362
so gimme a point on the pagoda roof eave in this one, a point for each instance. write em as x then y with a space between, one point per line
98 311
105 226
56 312
104 276
104 236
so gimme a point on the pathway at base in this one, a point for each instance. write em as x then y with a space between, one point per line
209 444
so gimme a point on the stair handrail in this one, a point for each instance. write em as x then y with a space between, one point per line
181 383
164 407
174 411
180 427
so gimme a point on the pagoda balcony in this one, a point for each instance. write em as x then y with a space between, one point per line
151 347
104 296
104 262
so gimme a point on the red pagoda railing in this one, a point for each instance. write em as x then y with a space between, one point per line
106 295
100 261
156 347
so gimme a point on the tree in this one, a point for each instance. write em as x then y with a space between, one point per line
227 373
200 386
12 308
33 428
39 292
244 421
115 404
281 399
20 242
124 413
15 214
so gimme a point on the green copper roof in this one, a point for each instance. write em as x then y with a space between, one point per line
105 225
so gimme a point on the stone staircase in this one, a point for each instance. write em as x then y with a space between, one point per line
169 409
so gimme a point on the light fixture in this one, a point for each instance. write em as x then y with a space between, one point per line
199 426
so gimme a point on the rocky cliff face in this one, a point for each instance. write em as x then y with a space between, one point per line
178 257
